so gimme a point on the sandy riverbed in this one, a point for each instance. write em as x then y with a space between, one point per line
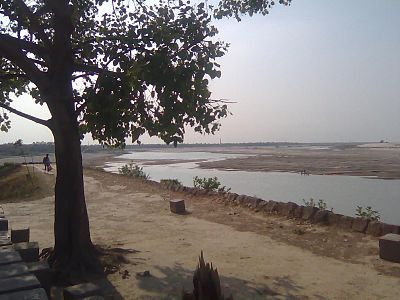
257 256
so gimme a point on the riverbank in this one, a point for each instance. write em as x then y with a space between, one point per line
257 255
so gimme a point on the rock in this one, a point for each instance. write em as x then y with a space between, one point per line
298 212
143 274
345 222
252 201
177 206
240 199
261 205
321 217
309 212
360 225
389 247
232 197
270 206
288 209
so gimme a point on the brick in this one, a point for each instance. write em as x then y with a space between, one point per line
360 224
309 212
29 251
14 269
3 224
9 256
80 291
18 283
177 206
20 235
389 247
36 294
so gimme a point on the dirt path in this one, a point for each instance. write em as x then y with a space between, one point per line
257 256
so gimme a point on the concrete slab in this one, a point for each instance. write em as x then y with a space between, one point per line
9 256
29 251
177 206
389 247
80 291
36 294
42 272
18 283
11 270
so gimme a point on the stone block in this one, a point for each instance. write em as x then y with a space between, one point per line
252 202
298 212
29 251
374 228
321 217
309 212
360 225
20 235
261 205
11 270
9 256
333 219
389 247
177 206
345 222
36 294
18 283
42 272
3 224
80 291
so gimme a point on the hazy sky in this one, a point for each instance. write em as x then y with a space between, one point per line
316 71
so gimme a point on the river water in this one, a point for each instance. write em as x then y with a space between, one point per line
342 193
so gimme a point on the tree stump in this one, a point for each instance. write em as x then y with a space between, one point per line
177 206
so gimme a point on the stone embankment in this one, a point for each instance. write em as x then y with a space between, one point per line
293 211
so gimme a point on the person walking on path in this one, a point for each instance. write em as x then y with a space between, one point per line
46 162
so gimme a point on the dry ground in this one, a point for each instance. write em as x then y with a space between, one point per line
257 256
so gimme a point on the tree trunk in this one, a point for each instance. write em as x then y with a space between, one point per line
73 250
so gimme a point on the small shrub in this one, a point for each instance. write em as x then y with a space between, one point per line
133 170
211 184
171 181
7 168
321 204
368 213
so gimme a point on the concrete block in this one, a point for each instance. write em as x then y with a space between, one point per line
298 212
18 283
321 217
36 294
3 224
374 228
11 270
360 225
20 235
333 219
80 291
309 212
177 206
9 256
389 247
29 251
345 222
42 272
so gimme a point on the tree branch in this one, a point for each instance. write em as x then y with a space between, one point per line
35 25
26 116
15 54
25 45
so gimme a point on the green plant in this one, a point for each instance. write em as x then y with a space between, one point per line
321 204
170 181
133 170
368 213
211 183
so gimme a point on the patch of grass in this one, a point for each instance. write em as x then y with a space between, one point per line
7 168
18 184
368 213
171 181
134 171
211 184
